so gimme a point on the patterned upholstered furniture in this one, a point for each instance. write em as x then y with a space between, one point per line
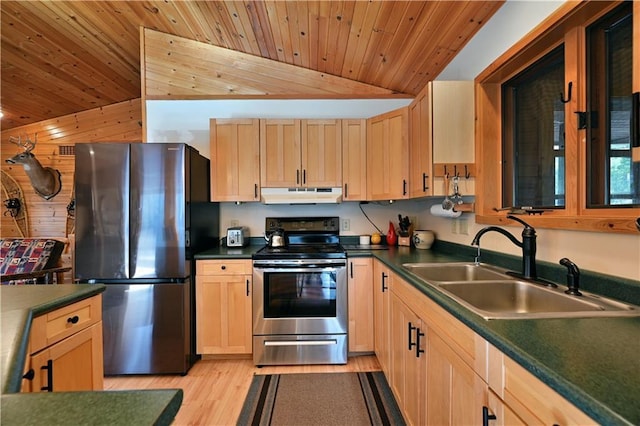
30 260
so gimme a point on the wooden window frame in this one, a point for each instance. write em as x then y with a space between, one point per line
567 25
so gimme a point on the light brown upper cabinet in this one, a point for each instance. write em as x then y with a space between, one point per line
354 160
453 136
420 147
235 159
388 155
300 153
321 153
442 139
584 122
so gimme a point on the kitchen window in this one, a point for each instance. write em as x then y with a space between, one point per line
554 122
613 179
533 135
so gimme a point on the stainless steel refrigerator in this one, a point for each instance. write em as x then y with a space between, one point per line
142 212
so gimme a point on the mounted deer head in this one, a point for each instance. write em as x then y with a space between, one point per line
44 180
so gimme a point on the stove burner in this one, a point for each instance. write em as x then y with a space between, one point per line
301 251
309 238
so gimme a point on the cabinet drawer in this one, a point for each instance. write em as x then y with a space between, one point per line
54 326
224 267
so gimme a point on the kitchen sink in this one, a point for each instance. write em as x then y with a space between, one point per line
443 272
493 294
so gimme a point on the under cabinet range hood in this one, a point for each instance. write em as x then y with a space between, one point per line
301 195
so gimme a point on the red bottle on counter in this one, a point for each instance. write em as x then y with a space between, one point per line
392 237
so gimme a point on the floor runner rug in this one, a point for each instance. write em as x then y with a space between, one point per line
320 399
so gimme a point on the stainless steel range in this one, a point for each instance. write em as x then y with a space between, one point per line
300 294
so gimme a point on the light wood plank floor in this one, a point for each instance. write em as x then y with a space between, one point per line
214 390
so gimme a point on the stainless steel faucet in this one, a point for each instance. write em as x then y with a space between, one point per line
528 245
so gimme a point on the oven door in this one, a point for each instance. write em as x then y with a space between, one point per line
294 297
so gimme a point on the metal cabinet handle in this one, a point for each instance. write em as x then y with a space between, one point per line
424 182
486 416
73 320
351 269
255 191
49 368
248 285
346 192
404 187
304 177
410 329
223 267
298 176
384 278
418 336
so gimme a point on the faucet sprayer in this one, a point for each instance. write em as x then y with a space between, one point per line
573 277
528 245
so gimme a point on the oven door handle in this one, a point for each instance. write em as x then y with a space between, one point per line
322 342
306 268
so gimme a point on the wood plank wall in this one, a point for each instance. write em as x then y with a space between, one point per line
120 122
178 68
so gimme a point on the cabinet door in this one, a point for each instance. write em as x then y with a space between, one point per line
223 314
235 159
453 131
455 394
408 360
354 160
73 364
321 153
381 306
388 155
420 167
360 288
280 153
504 416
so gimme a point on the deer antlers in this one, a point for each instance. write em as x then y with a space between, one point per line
27 145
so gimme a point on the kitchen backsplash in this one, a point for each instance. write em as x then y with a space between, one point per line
605 253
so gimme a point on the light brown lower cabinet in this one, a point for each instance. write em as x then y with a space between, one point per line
223 307
360 299
66 349
381 314
431 382
527 397
455 395
460 378
408 360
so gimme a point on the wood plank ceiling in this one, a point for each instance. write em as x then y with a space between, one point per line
62 57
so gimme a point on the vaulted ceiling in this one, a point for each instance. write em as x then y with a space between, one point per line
62 57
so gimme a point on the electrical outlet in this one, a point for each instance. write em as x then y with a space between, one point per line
346 224
234 222
463 227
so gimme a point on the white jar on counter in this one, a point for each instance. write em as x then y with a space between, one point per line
423 238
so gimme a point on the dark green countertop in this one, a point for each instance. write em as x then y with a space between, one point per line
224 252
109 408
592 362
19 304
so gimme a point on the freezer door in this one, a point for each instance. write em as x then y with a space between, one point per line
158 203
146 328
102 211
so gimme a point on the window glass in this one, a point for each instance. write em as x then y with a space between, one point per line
533 135
613 179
